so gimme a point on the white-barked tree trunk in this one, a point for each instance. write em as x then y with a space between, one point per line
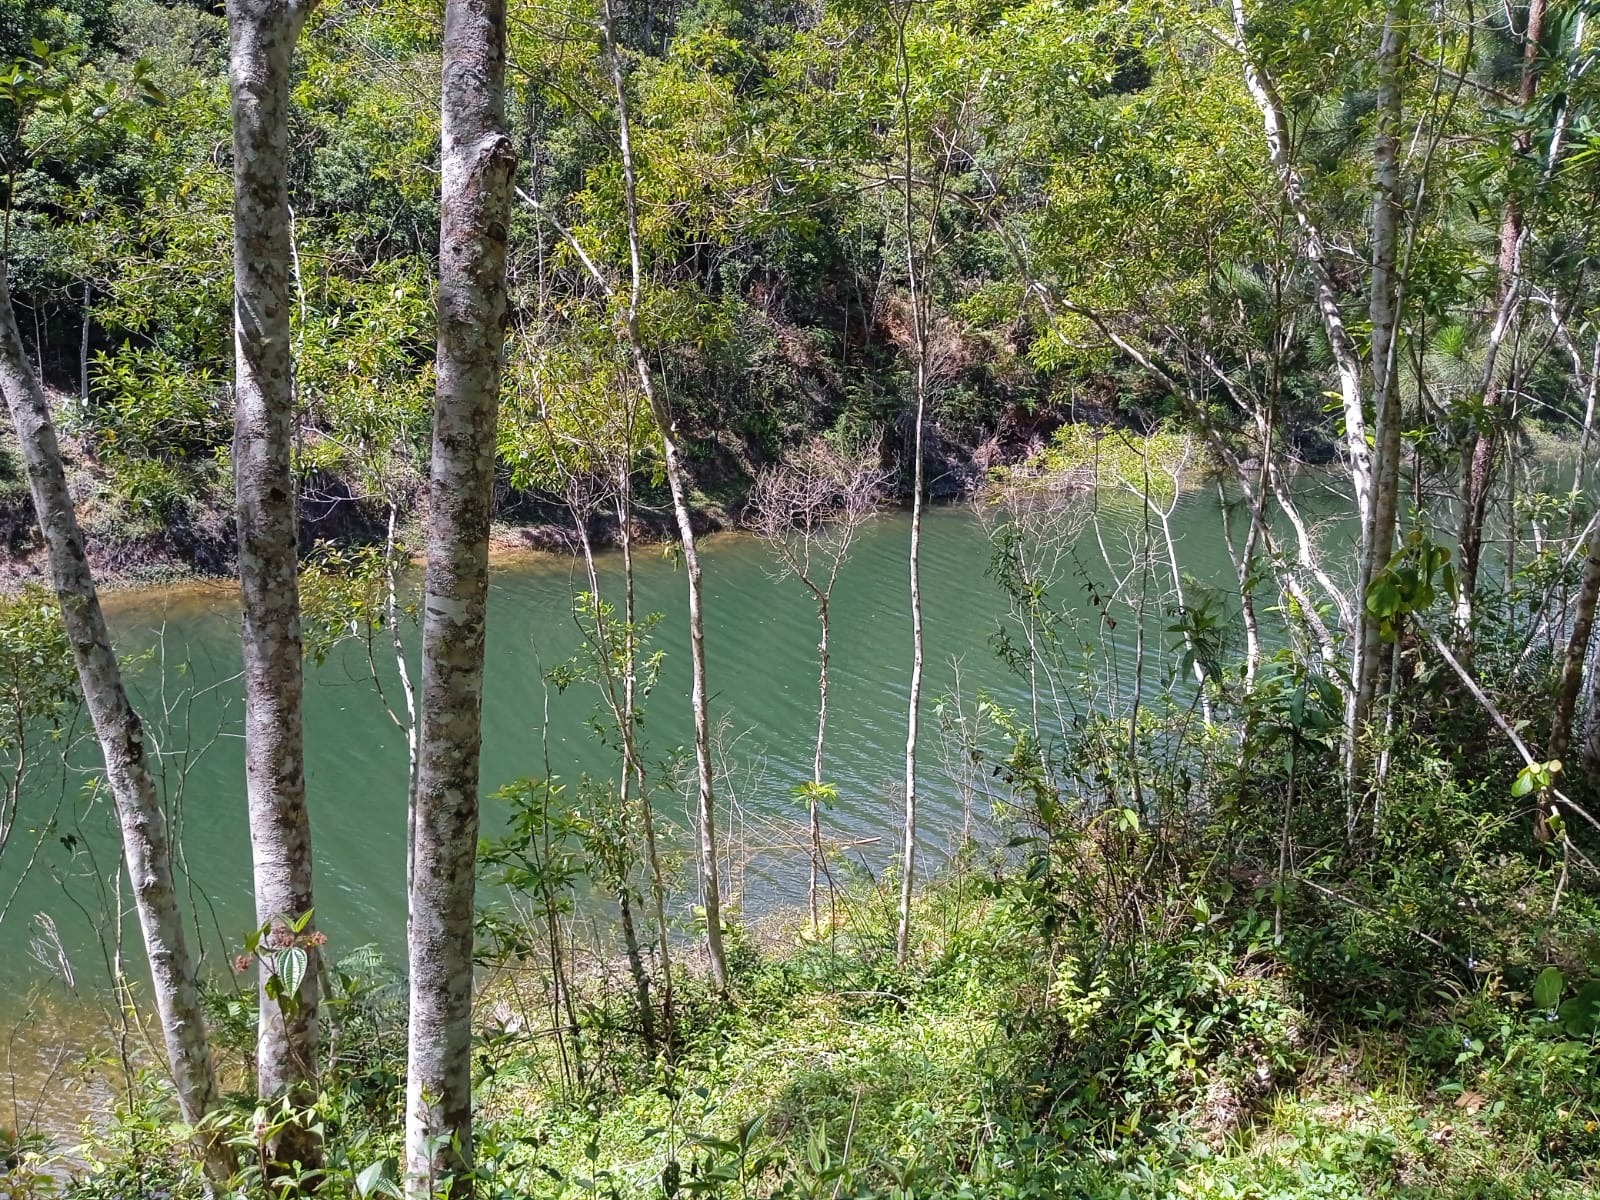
143 822
476 166
262 38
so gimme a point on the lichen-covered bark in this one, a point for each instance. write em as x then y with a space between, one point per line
139 812
262 38
475 194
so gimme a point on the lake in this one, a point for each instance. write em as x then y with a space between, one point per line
761 636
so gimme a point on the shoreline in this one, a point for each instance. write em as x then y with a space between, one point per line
193 544
510 544
128 571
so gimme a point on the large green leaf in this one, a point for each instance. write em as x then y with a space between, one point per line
1547 988
290 968
377 1179
1581 1014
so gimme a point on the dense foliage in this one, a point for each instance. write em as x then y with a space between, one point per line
1095 175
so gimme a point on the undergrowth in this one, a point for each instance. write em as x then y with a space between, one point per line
1185 965
1002 1063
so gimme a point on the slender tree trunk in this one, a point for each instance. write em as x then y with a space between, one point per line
1591 731
1577 653
1377 539
560 977
408 692
908 848
1314 250
677 483
139 812
263 35
1580 470
476 166
816 758
83 348
1391 680
621 712
641 977
1481 461
1305 557
1242 570
1164 515
1137 787
658 882
920 311
710 885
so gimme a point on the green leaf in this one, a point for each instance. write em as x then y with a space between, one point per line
376 1180
1547 988
1383 600
1536 775
290 967
1580 1015
1524 783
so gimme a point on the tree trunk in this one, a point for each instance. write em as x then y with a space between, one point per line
677 483
816 758
1589 395
1577 653
622 712
1191 647
83 349
1481 460
658 883
920 311
476 166
1377 537
263 36
139 812
408 692
641 977
908 849
1314 250
1591 732
1243 567
710 885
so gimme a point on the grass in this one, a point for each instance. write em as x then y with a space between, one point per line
1190 1061
835 1075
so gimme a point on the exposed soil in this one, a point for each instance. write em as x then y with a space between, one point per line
194 538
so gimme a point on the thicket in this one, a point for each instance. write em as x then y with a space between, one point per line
767 308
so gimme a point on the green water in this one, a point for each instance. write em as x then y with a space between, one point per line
761 645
